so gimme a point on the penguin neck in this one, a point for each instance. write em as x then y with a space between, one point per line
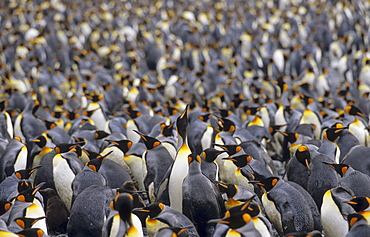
194 168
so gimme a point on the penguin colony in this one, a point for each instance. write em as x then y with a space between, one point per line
184 118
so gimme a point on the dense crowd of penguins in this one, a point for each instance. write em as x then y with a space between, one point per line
184 118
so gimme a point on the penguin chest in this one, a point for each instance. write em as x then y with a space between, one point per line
63 177
272 213
131 135
99 119
310 117
207 138
179 171
18 127
228 172
233 233
135 164
260 226
115 228
21 159
153 226
332 220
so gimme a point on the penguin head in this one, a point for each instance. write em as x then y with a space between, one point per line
167 130
359 203
275 128
31 232
210 154
230 149
229 189
226 125
331 134
340 168
123 145
65 147
40 141
303 155
123 203
24 185
26 173
354 110
100 134
291 136
150 142
176 231
153 210
26 222
354 218
29 194
234 218
267 184
96 163
182 122
241 160
4 206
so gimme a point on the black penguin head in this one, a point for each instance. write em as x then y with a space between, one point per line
229 189
96 163
4 206
182 123
65 147
167 130
353 110
234 220
24 185
354 218
31 232
226 125
26 173
241 160
291 136
359 203
340 168
331 134
153 210
40 141
303 155
194 158
275 128
123 145
150 142
26 223
210 154
230 149
267 184
205 117
100 134
123 203
29 194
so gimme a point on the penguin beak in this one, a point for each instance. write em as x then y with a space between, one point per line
221 221
307 164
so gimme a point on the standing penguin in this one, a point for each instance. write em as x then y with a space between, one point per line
200 208
334 210
180 167
156 162
13 158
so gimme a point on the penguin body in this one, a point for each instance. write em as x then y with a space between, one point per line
334 210
114 174
200 209
286 206
355 159
180 167
89 211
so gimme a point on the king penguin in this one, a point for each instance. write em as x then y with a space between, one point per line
180 167
200 208
156 162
